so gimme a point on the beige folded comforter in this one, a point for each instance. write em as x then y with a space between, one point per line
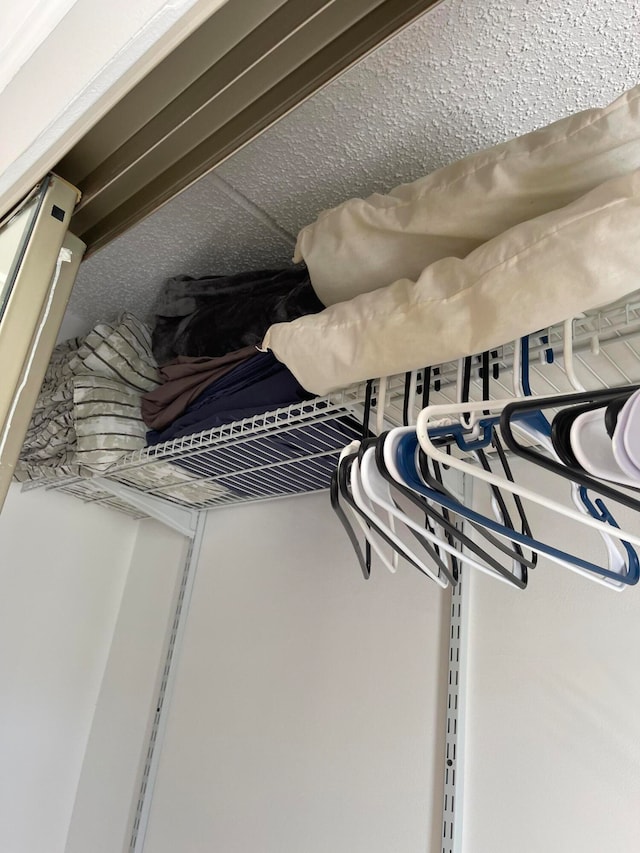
498 245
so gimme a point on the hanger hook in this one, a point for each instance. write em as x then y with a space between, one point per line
567 352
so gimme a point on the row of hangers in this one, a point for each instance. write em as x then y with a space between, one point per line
392 494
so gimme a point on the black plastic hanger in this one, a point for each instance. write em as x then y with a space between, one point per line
451 573
561 431
484 461
561 435
421 503
344 472
611 415
577 475
340 490
434 481
334 495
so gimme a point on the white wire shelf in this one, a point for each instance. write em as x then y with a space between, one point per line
89 492
282 453
293 450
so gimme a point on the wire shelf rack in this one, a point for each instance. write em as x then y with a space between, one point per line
293 450
281 453
90 492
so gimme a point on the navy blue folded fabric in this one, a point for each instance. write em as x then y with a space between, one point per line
302 458
255 386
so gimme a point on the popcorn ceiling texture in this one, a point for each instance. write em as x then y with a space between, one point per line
464 77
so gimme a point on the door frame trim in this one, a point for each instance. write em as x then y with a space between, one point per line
125 67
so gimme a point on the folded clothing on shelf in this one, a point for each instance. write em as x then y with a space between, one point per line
87 415
183 380
256 385
216 315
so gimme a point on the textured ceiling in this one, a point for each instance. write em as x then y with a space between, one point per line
468 75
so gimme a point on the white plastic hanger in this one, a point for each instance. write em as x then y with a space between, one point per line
567 356
365 505
378 493
593 448
617 560
368 534
627 433
590 442
432 414
390 448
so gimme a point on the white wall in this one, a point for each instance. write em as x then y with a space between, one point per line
85 64
72 325
63 567
118 741
308 706
23 28
553 752
308 709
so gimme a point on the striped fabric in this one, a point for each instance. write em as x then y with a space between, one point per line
43 474
86 346
107 420
88 412
60 366
124 354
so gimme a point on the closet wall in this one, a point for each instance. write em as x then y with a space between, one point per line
308 709
117 745
63 569
87 595
553 755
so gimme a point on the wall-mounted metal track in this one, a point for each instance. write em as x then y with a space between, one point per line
150 770
452 807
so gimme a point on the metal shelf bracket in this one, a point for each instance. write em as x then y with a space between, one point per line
176 517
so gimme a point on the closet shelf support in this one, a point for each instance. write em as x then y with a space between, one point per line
176 517
452 806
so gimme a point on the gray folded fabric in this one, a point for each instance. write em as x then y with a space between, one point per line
210 317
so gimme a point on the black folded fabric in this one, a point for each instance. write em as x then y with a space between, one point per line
216 315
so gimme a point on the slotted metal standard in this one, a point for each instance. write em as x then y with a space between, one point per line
152 757
453 796
451 812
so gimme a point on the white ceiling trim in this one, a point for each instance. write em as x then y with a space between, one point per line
104 79
23 28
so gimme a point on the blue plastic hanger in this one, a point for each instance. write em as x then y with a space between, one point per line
406 461
536 422
598 509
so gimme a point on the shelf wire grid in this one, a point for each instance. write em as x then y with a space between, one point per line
289 451
293 450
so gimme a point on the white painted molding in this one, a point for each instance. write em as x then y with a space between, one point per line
23 28
99 66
